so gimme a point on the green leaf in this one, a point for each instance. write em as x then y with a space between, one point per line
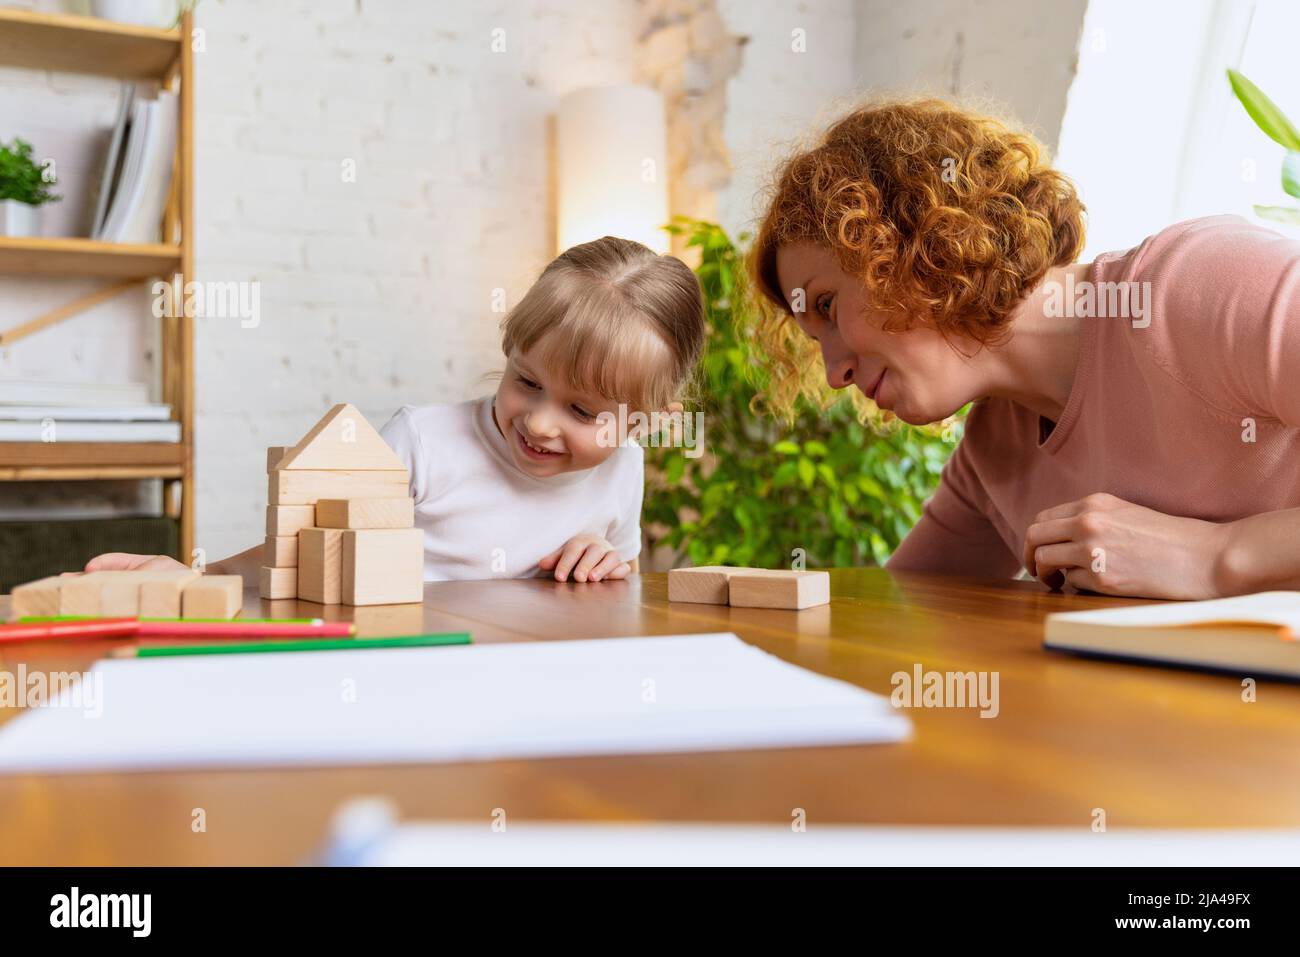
786 447
814 448
1264 112
1291 173
806 473
1279 214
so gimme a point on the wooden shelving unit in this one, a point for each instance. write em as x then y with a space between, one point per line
58 256
60 42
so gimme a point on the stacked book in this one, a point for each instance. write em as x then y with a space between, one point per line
36 411
133 187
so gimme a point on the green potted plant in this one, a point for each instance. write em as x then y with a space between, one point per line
23 190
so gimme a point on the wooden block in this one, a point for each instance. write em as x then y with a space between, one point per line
289 519
160 596
281 551
278 582
39 597
274 454
365 512
342 440
213 596
774 588
383 566
706 585
80 594
383 620
309 486
320 565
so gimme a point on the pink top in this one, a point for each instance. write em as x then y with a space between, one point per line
1160 415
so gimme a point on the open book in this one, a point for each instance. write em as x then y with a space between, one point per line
1250 634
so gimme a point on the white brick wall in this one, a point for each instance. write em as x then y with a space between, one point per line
378 291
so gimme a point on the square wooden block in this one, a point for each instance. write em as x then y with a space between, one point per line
40 597
705 585
160 597
273 456
213 596
276 583
281 551
775 588
320 565
289 519
383 566
365 512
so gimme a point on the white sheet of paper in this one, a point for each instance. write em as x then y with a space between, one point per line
1280 608
468 703
546 844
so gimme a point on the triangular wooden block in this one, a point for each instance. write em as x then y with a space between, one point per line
342 440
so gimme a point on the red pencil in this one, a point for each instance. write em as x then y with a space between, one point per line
244 629
98 628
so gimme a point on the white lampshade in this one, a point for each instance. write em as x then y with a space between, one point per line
611 150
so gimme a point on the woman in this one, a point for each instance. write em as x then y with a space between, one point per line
1136 427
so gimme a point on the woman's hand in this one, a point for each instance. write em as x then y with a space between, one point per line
1104 544
126 562
589 557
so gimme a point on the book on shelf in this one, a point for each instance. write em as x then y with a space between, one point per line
1248 634
34 392
64 431
155 412
138 170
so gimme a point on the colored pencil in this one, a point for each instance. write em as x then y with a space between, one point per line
328 644
97 628
195 628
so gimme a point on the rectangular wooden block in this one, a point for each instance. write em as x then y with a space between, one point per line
80 594
706 585
770 588
383 566
213 596
309 486
39 597
289 519
160 596
274 454
276 583
281 551
365 512
320 565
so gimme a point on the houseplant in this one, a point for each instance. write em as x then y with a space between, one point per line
838 486
23 190
1277 127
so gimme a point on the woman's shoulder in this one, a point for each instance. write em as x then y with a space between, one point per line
1221 295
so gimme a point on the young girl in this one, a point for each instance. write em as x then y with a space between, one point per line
530 479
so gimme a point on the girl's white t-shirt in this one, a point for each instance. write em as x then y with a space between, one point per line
483 517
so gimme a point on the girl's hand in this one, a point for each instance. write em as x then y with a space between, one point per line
589 557
126 562
1104 544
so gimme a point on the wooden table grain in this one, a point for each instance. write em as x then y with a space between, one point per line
1150 746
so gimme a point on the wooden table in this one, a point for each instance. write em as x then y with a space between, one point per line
1152 746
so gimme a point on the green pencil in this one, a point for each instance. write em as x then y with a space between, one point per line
310 644
37 619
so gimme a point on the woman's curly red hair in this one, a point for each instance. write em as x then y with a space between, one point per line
948 216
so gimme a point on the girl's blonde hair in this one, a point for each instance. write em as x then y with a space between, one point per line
615 317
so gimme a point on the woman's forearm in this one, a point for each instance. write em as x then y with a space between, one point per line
245 564
1260 552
